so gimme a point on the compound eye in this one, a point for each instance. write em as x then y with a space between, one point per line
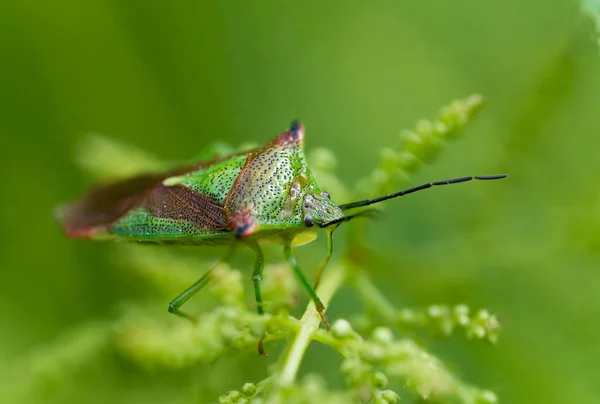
326 194
309 221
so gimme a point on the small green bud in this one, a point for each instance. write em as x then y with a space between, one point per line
408 161
440 129
224 399
373 353
493 324
227 286
461 315
410 137
424 127
279 288
482 316
414 143
487 397
446 327
389 159
341 329
476 332
257 330
313 383
379 380
461 310
389 396
407 316
229 332
362 322
239 343
349 366
436 311
492 338
355 371
235 396
380 178
249 389
382 335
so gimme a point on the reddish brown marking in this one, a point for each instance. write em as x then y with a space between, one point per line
81 233
242 223
102 206
105 204
294 135
183 203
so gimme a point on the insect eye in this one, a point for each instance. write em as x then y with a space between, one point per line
309 221
326 194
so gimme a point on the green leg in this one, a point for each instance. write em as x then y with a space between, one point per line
326 260
259 264
192 290
289 255
257 277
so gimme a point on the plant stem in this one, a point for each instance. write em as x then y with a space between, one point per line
309 325
373 296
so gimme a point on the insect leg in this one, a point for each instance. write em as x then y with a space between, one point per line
195 288
257 277
289 255
326 260
259 264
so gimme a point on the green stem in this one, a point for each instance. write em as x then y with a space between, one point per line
373 296
310 322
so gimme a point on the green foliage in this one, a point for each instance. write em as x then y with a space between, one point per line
174 77
591 8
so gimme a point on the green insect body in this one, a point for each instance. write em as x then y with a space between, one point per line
263 193
267 193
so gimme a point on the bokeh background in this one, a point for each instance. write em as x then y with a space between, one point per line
171 77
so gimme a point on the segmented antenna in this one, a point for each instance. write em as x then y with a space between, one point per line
368 202
371 213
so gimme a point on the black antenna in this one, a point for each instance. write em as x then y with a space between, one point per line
368 202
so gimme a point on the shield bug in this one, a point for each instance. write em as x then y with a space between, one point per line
264 193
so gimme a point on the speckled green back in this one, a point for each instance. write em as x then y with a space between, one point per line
214 181
269 191
196 190
245 195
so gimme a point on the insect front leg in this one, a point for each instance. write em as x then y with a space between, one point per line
195 288
289 255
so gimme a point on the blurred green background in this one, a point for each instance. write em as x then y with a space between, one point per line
171 77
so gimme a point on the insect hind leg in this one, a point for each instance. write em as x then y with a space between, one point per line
180 300
259 265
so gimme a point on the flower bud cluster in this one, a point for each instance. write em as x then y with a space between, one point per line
359 368
420 145
178 344
280 288
371 362
445 320
242 396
